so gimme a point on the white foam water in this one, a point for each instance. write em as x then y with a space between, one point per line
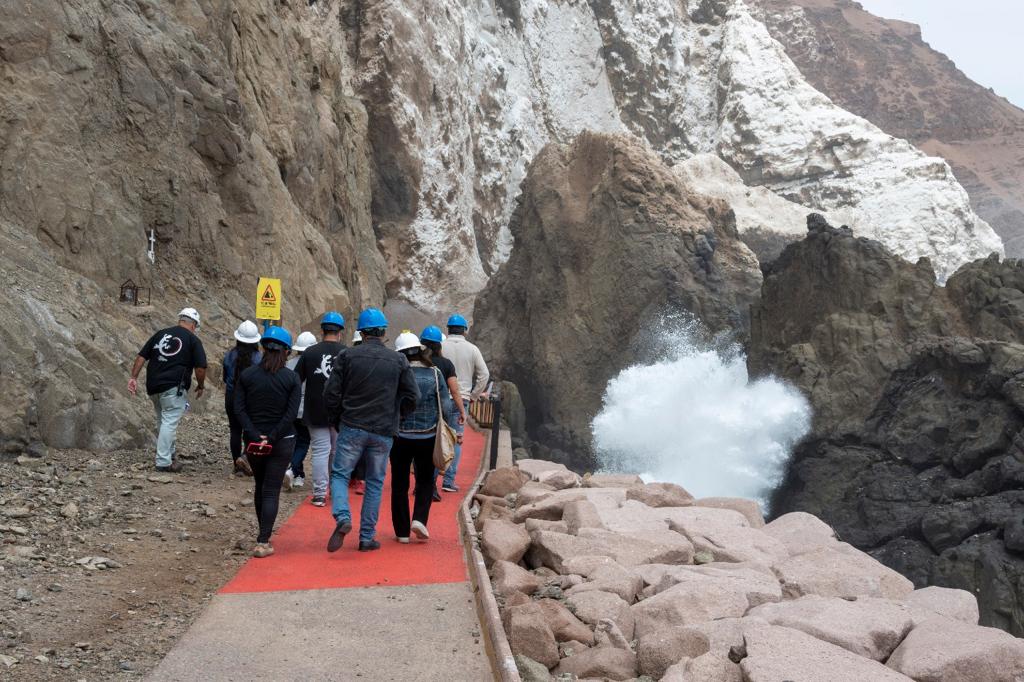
693 417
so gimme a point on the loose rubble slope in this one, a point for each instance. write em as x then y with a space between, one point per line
605 577
105 563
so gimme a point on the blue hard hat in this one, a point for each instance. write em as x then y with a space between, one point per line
457 320
432 333
372 318
332 318
277 335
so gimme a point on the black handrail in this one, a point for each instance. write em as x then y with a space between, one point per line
495 430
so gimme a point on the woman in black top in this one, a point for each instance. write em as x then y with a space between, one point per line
266 402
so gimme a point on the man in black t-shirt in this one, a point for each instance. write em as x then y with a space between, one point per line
172 355
314 368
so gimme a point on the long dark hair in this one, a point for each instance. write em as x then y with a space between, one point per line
243 360
419 354
274 358
435 348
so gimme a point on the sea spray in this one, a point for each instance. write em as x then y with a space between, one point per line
692 416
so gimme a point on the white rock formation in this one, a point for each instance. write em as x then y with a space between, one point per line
468 92
761 214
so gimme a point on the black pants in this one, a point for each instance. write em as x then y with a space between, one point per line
404 452
268 474
301 448
235 426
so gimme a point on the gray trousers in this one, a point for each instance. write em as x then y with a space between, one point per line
321 448
170 408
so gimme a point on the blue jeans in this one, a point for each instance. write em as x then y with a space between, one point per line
453 468
352 445
170 408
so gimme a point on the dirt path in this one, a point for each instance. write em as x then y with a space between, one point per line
172 539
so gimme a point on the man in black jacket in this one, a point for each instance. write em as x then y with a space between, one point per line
369 388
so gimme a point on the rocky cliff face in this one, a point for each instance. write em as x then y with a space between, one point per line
915 454
608 239
222 129
461 96
362 148
883 70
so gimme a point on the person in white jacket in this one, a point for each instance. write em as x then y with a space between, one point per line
473 375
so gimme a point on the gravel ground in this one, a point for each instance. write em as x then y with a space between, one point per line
105 562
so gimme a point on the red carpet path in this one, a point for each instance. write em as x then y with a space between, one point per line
301 561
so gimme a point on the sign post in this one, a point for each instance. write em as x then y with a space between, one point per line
268 299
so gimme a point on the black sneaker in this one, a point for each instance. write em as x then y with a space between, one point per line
437 495
368 546
338 536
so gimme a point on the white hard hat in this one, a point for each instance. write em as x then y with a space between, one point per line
357 337
248 332
407 340
305 340
189 314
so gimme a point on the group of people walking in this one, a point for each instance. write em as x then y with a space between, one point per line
352 409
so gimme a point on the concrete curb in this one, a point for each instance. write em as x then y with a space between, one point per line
502 662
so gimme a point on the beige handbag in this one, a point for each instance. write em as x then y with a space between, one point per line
446 438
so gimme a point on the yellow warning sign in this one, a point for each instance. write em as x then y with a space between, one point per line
268 299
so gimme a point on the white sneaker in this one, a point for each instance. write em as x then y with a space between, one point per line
298 482
288 479
404 541
420 531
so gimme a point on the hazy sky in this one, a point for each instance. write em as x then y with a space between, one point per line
984 37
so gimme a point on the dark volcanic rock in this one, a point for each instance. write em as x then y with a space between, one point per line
916 453
607 239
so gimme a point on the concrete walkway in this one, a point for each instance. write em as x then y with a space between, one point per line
405 612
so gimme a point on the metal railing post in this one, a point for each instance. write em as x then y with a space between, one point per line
495 430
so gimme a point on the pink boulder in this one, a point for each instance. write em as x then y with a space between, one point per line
503 540
504 481
529 634
660 495
507 578
944 650
846 573
871 628
956 604
607 663
565 626
775 654
749 508
593 607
